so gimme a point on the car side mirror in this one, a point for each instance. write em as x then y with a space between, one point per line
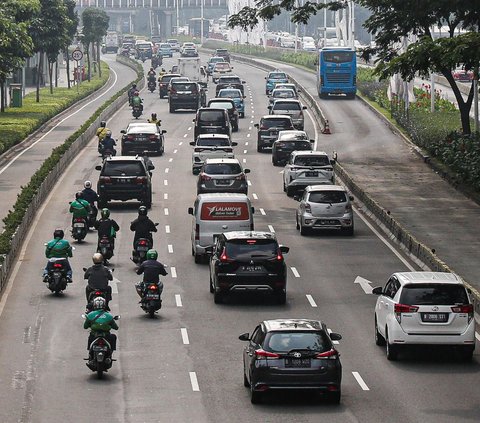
192 142
244 337
298 90
243 82
312 141
84 269
246 170
231 67
335 336
193 120
164 131
190 210
234 143
256 125
350 197
377 290
269 107
69 202
244 96
156 224
265 77
151 167
123 131
332 162
284 249
304 107
98 167
116 317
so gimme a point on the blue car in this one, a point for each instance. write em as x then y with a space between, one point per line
273 78
165 50
236 95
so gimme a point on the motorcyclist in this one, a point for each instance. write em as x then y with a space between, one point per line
131 91
55 249
151 269
154 119
108 143
98 276
80 207
102 131
151 75
143 226
100 322
91 196
161 73
106 227
137 101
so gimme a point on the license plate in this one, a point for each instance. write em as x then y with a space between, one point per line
142 248
152 296
298 362
311 174
79 225
252 268
223 182
125 181
435 317
57 274
327 222
211 129
97 348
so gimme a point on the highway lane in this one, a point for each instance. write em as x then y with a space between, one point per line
44 377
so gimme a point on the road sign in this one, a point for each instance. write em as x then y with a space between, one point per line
77 55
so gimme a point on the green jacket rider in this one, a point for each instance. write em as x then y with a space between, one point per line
79 207
100 322
58 248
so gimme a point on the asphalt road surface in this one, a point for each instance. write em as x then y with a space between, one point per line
186 365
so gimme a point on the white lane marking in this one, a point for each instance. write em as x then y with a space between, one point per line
185 136
251 121
170 248
167 170
311 300
333 342
245 151
246 142
262 212
315 129
180 143
248 135
189 128
477 336
249 183
114 285
175 151
185 339
360 381
167 229
165 182
165 196
255 196
170 160
174 272
165 210
244 160
194 382
270 228
381 238
294 270
249 128
21 153
178 300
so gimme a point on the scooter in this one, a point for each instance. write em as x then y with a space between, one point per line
136 112
105 247
151 86
79 228
57 276
151 301
139 254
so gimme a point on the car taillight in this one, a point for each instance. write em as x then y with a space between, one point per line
142 242
205 177
130 137
197 232
152 137
105 180
260 353
153 287
224 258
198 150
464 308
332 354
308 208
240 177
141 179
57 265
403 308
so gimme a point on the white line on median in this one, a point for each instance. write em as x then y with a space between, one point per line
167 229
165 196
255 196
333 342
170 248
175 151
170 160
311 300
245 151
194 382
294 270
178 300
270 228
165 182
360 381
185 339
174 272
167 170
165 210
262 212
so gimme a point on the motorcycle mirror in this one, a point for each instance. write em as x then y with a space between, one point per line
84 316
112 270
69 202
156 224
116 317
84 269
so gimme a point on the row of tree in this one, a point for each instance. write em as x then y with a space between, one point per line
46 27
391 22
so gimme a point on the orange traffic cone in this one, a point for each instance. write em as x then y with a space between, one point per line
326 128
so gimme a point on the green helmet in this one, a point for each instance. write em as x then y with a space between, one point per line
152 255
105 213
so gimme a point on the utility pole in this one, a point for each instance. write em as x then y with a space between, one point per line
475 98
201 19
178 16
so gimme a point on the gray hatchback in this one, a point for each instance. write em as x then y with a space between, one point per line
292 354
222 175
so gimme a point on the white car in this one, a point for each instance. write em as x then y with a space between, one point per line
221 69
306 168
211 146
424 308
187 45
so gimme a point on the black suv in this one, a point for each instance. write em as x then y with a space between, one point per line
269 127
282 149
229 105
232 81
141 137
185 95
222 52
292 354
212 121
248 261
124 178
164 81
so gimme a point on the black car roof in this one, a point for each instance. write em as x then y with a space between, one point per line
248 235
290 325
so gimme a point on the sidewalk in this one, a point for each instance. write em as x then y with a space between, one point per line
62 78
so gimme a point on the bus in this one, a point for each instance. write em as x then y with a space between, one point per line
195 27
337 72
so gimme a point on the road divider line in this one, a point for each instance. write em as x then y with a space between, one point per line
249 128
270 228
170 160
180 143
165 182
165 210
262 212
194 382
167 170
246 142
178 300
167 229
189 128
245 151
293 269
251 121
185 339
170 248
248 135
165 196
311 300
255 196
184 136
333 342
360 381
244 160
173 271
175 151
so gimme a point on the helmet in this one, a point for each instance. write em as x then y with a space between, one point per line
103 124
109 133
151 70
152 254
105 213
79 195
163 70
58 233
97 258
154 115
142 211
99 303
134 85
87 184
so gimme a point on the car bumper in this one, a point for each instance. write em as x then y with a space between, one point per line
267 142
327 222
205 189
258 283
141 147
268 378
123 194
305 182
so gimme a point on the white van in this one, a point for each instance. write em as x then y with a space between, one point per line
216 213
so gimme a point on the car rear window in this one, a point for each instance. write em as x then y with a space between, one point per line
172 41
142 130
167 78
327 197
224 211
287 106
285 86
133 168
228 80
222 169
283 94
213 142
221 104
284 342
216 59
211 116
311 161
277 75
229 94
251 248
294 145
276 123
433 294
179 86
222 65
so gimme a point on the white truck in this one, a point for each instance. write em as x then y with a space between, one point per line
191 68
111 42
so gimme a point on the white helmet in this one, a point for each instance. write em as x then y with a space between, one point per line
99 303
87 184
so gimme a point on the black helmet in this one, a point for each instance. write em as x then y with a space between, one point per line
151 70
154 115
58 233
142 211
103 124
79 195
134 85
105 213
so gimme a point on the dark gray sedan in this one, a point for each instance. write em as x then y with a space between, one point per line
222 175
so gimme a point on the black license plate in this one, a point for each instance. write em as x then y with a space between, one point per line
311 174
252 268
328 222
435 317
223 181
298 362
152 296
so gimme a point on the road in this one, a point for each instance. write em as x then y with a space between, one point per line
16 169
186 365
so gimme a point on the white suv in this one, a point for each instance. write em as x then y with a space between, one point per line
424 308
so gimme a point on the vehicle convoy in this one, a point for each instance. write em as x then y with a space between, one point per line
143 137
57 276
211 146
268 129
229 105
222 175
337 72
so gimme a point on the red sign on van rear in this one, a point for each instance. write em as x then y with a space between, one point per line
224 211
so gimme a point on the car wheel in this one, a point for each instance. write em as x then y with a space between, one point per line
255 397
392 349
198 258
259 148
297 225
304 231
334 397
212 290
148 200
274 161
171 108
466 353
266 92
281 297
379 339
217 297
290 191
161 95
245 380
284 187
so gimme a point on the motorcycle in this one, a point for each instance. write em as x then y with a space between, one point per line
140 252
151 86
136 112
79 228
105 247
57 276
151 301
107 152
92 216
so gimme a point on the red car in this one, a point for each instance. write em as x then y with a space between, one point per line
462 75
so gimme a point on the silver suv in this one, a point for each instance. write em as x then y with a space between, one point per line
211 146
222 175
324 207
289 107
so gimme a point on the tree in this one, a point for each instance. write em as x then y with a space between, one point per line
393 20
95 26
71 30
15 42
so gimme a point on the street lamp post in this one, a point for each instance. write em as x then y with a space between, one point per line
201 21
178 16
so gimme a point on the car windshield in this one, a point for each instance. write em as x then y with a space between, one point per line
222 169
327 197
216 59
311 161
223 104
276 123
133 168
222 66
212 116
277 75
294 145
184 87
229 94
251 248
433 294
337 56
284 342
213 142
287 106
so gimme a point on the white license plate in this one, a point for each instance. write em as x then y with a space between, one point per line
311 174
223 182
142 248
79 225
152 296
435 317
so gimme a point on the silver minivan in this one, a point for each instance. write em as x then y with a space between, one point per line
215 213
289 107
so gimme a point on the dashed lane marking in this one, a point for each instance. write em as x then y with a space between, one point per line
170 248
194 382
165 182
245 151
167 170
167 229
165 210
249 183
165 196
189 128
174 272
311 300
248 135
185 339
185 136
294 271
255 196
175 151
246 142
262 212
360 381
244 160
170 160
178 300
270 228
180 143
